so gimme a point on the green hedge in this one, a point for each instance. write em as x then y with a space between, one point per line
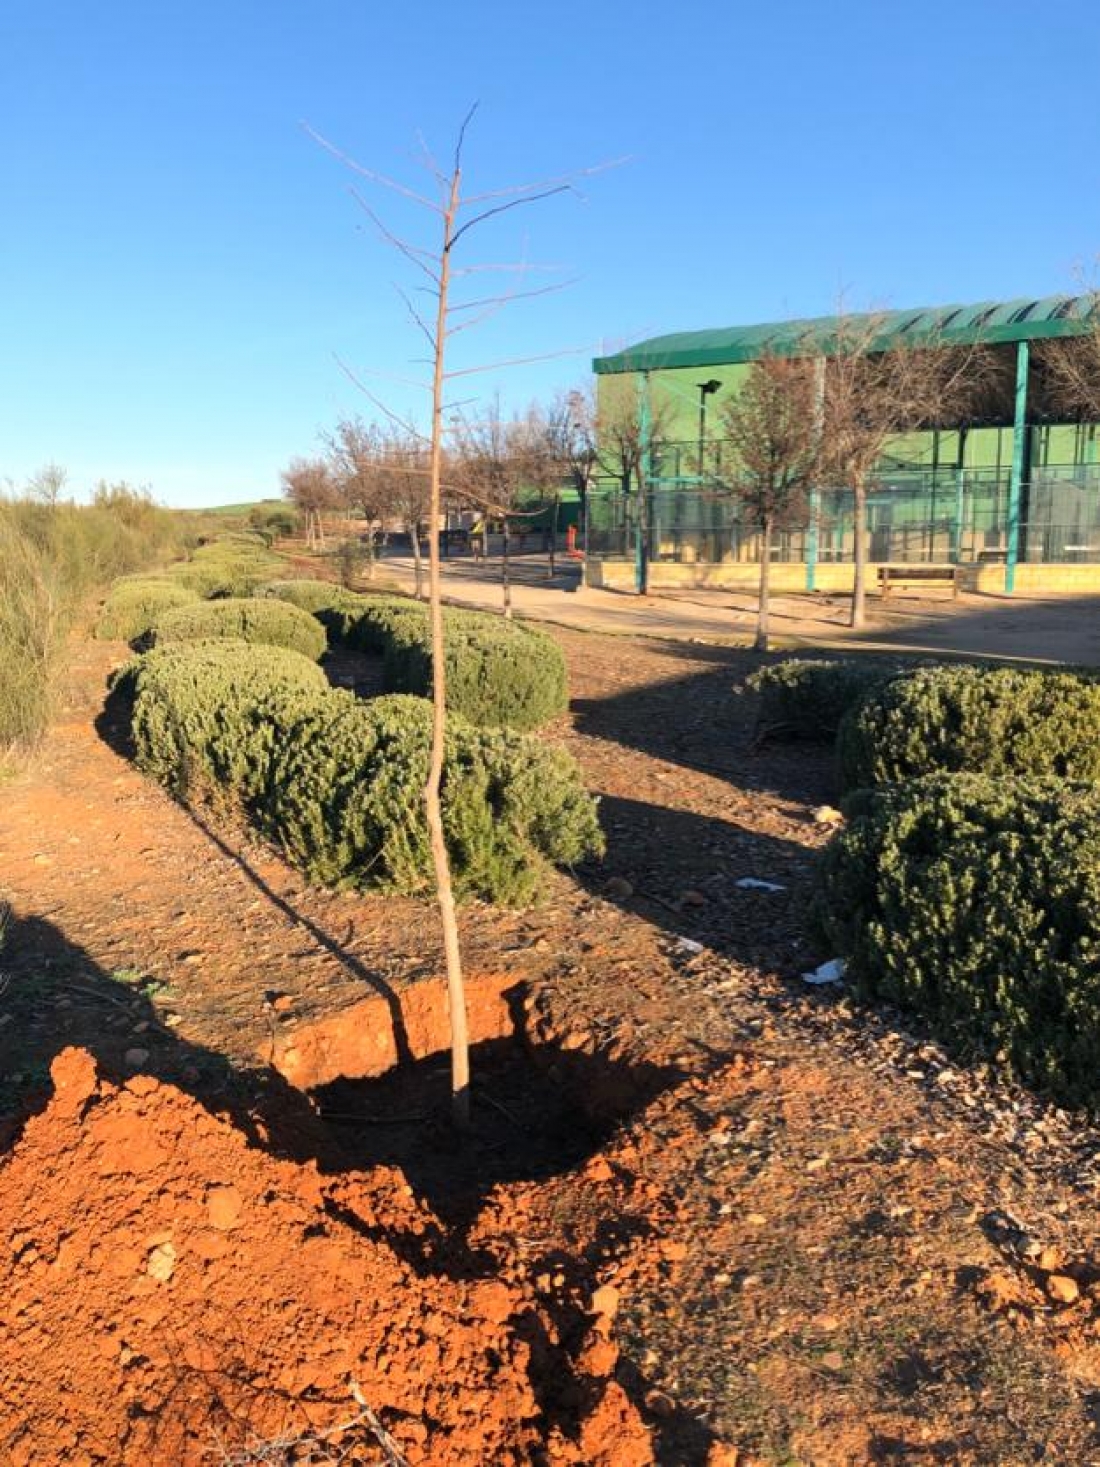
339 611
807 698
226 568
977 902
194 712
269 623
338 783
133 606
345 800
989 720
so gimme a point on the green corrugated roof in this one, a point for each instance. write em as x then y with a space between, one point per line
989 321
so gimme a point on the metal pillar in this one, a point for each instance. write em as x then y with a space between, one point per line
813 528
641 538
959 518
1016 483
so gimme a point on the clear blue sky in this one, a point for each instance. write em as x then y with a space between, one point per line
180 264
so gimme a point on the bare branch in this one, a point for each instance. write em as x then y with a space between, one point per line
564 179
548 356
563 188
411 252
374 177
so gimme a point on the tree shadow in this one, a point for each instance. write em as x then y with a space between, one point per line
680 871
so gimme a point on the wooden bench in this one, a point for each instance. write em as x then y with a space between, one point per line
890 577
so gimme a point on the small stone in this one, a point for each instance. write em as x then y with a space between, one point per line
833 1360
135 1058
605 1300
828 815
1050 1260
756 1219
223 1206
618 888
42 860
816 1163
1062 1289
598 1170
161 1262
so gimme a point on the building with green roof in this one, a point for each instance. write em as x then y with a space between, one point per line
1013 498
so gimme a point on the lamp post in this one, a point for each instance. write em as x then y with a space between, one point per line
706 389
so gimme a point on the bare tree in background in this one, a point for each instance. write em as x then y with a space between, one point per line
406 491
309 485
1069 368
873 395
354 454
571 430
45 484
771 427
502 467
455 216
631 435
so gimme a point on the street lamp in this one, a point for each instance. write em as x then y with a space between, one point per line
705 390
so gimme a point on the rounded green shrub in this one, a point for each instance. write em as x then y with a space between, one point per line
345 799
807 698
226 568
195 724
976 901
133 606
990 720
269 623
335 608
499 674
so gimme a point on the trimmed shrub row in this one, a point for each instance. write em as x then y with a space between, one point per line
269 623
499 674
338 783
807 698
976 901
134 605
987 720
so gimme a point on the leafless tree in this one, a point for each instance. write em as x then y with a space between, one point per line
871 396
45 484
309 485
632 433
571 431
505 469
1069 368
771 428
405 491
455 216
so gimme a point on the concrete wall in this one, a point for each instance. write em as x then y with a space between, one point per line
1031 579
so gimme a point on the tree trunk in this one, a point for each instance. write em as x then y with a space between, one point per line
456 988
554 536
763 605
859 581
505 577
320 540
418 563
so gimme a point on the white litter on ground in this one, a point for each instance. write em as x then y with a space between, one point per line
830 972
753 883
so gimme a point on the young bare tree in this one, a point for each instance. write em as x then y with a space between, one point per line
354 454
571 433
872 396
45 484
455 215
405 486
632 432
502 467
771 427
308 484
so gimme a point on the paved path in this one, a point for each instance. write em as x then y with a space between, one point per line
1051 629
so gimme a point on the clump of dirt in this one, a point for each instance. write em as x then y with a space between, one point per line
171 1295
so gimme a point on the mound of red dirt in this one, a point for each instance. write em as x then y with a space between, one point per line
169 1294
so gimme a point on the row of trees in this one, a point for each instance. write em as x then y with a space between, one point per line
505 468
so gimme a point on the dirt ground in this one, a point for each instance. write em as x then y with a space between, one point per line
708 1214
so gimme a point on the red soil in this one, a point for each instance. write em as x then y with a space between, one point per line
224 1297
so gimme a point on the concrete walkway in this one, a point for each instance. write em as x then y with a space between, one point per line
1052 629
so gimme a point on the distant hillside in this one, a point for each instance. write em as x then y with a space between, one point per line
244 508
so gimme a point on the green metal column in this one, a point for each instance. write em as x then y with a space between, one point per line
1016 483
641 548
959 518
812 529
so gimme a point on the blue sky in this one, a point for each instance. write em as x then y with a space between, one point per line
181 266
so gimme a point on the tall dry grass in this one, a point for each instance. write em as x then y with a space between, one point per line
52 557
